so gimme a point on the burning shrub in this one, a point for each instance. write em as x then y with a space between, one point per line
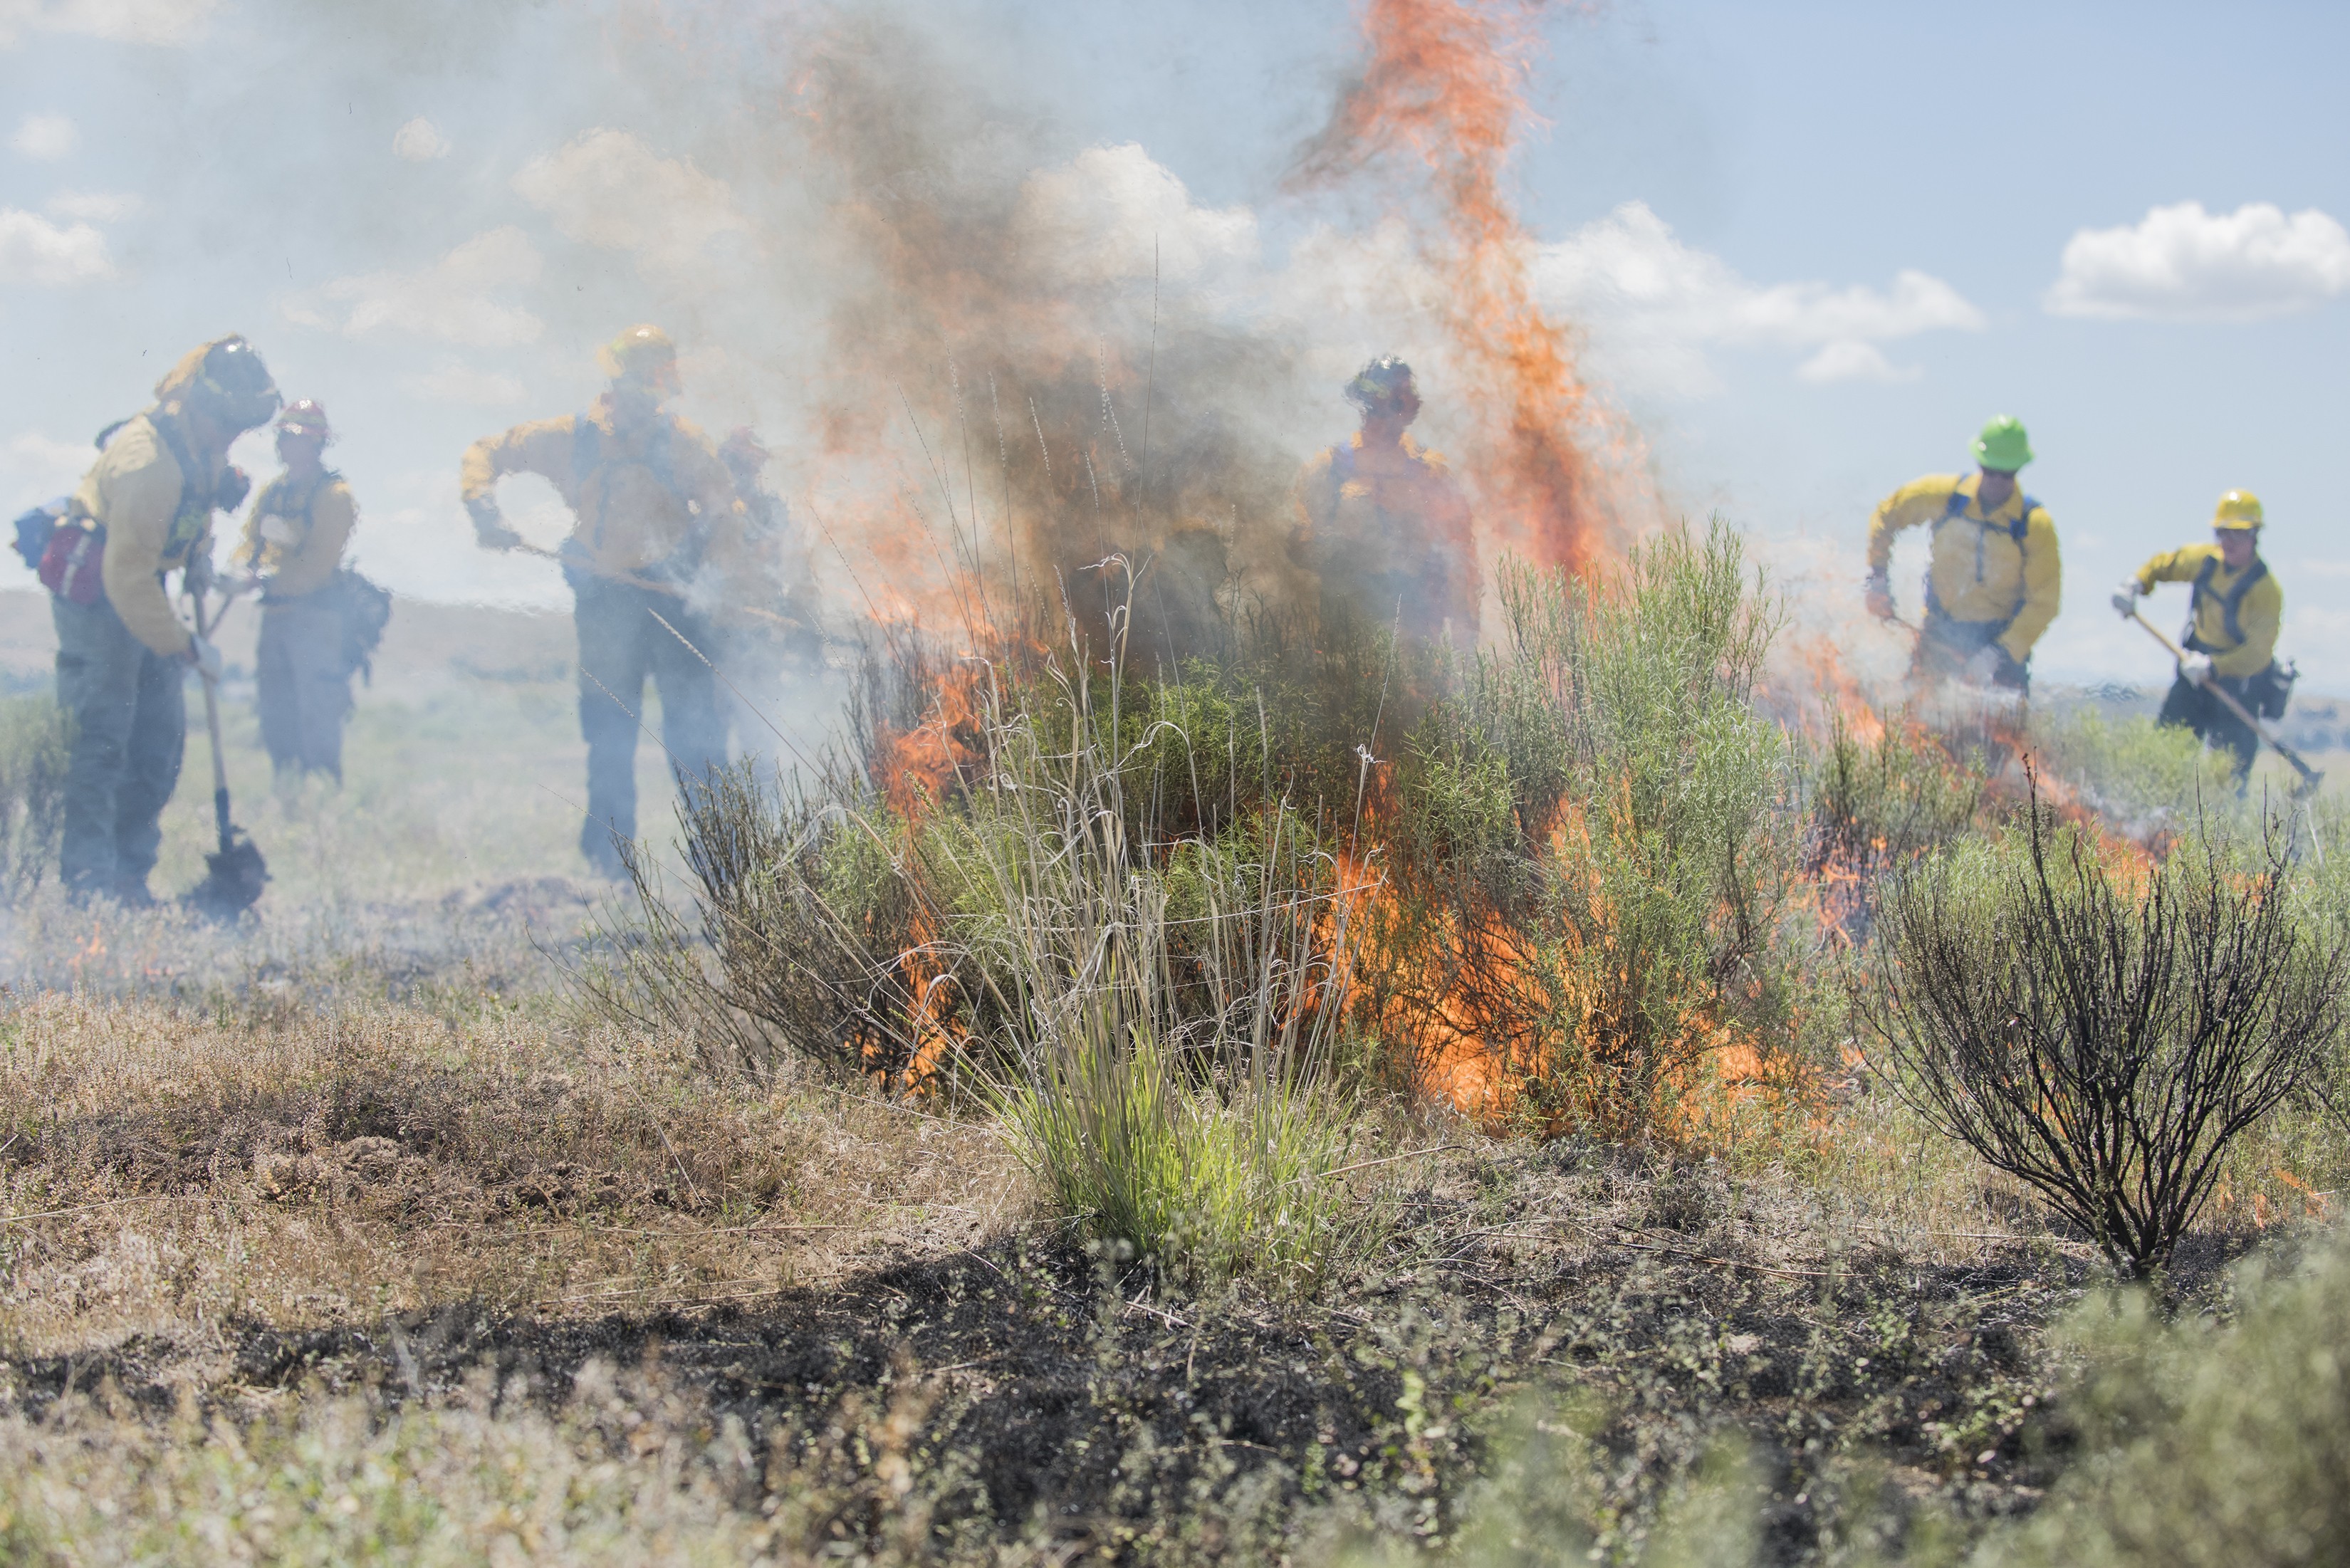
2103 1043
1037 891
36 735
1875 809
1590 853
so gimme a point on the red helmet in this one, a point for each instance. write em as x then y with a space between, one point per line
305 416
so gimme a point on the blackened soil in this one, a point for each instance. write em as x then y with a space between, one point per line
1045 1395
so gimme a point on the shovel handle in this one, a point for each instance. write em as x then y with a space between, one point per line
213 727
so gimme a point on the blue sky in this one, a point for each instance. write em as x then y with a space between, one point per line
1729 199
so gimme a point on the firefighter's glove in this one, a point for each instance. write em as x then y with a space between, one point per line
2197 669
2126 598
205 658
1879 591
488 527
235 486
200 578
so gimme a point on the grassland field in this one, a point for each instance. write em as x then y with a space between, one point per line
353 1234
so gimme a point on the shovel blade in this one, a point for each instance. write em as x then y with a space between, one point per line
233 880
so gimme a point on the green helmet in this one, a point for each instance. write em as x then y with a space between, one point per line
2003 444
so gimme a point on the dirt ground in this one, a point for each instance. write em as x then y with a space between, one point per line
250 1212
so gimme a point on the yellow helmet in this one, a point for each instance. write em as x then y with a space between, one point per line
641 354
2238 509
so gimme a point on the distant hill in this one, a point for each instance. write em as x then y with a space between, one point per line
427 647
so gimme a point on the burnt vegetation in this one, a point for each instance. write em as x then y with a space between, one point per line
2104 1043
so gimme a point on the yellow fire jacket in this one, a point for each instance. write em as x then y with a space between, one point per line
155 520
2000 566
2234 616
637 497
1382 520
296 539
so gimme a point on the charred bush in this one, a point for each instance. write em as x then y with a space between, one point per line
2100 1042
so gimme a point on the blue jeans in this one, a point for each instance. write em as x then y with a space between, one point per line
131 731
620 647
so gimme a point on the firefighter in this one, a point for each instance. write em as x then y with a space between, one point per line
1384 527
293 547
143 510
658 531
2235 609
1993 578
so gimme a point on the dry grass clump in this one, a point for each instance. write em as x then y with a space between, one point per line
625 1472
35 738
171 1172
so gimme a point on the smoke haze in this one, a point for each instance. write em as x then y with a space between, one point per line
960 331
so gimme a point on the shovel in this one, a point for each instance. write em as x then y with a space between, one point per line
2310 777
234 873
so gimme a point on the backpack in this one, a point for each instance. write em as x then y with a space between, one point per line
364 607
33 528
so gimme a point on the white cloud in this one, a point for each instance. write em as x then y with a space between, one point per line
451 301
610 189
38 467
122 21
1653 304
454 383
2183 263
93 206
35 250
46 137
1846 360
420 141
1096 219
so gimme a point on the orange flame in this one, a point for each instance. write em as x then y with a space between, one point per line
1445 85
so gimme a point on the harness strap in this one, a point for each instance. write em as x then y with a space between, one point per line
1954 511
306 514
195 509
2230 604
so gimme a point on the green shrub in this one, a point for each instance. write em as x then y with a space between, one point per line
2207 1443
2136 772
36 740
1156 1023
